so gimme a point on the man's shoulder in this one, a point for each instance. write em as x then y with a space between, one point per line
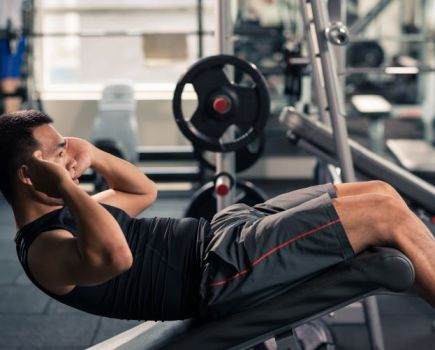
33 227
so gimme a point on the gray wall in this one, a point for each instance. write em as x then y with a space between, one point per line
157 127
155 120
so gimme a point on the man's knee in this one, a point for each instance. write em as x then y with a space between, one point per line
370 219
389 216
383 187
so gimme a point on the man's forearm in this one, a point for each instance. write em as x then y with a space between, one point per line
101 241
120 174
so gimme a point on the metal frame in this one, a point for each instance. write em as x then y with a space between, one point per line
330 96
373 13
315 16
225 162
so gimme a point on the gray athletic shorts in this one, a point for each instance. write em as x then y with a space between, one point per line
257 253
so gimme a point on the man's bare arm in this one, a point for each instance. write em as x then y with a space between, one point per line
99 253
101 242
130 189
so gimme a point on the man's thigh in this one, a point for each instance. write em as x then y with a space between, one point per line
295 198
264 258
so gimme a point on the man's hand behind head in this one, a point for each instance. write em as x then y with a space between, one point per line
46 176
81 151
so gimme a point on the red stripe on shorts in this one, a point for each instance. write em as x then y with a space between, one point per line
270 252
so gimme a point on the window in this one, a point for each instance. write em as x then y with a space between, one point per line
149 42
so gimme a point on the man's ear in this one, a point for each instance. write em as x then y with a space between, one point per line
23 175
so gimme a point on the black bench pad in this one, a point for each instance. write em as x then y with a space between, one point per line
373 271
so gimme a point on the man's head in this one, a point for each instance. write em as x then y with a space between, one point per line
21 134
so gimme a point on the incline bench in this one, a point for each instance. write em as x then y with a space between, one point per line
374 271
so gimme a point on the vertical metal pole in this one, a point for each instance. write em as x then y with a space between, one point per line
335 102
199 14
318 81
224 27
225 162
315 20
30 8
319 84
371 310
337 13
426 82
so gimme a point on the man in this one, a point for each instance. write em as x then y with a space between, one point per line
92 254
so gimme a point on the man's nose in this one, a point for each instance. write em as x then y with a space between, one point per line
71 163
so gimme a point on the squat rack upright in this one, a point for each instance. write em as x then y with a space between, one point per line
320 35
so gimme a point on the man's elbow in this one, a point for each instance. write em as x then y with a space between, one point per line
150 196
104 266
153 193
121 260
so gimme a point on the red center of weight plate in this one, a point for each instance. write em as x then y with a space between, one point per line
221 104
222 190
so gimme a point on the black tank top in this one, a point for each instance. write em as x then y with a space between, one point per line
163 282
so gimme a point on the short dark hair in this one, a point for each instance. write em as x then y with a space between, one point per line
17 144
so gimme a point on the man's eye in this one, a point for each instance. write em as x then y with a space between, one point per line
60 155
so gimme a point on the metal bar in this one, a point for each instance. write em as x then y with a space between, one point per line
225 162
91 34
224 27
200 29
165 153
371 310
428 108
424 52
335 102
337 13
332 88
176 174
388 70
33 96
404 37
359 25
319 84
310 148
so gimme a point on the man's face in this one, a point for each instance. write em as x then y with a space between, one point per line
52 144
53 148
